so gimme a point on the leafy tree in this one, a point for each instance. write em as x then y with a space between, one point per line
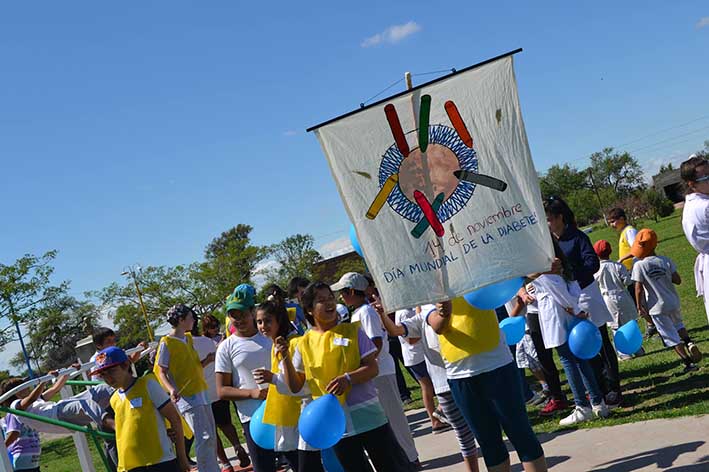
295 256
230 259
666 168
657 205
25 289
562 181
60 325
704 152
618 171
130 322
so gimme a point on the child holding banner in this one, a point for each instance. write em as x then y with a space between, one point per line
282 406
341 359
478 362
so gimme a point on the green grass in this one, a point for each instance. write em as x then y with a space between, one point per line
653 385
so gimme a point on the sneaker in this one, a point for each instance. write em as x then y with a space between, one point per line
407 401
623 357
442 428
613 400
552 406
689 368
243 457
579 415
537 399
650 331
694 352
226 468
601 411
640 352
440 416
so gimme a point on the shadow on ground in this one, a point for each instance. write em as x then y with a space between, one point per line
663 458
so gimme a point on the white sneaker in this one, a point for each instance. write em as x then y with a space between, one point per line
694 352
579 415
601 410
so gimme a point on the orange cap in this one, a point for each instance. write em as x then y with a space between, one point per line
644 244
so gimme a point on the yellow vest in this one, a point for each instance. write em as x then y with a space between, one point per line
281 410
186 369
137 435
328 355
624 248
470 331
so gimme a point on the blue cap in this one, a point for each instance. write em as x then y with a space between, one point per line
109 357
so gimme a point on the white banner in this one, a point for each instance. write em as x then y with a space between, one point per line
441 187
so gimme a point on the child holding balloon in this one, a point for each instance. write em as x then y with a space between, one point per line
340 359
558 302
282 407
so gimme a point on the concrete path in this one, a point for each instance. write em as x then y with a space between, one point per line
677 445
671 445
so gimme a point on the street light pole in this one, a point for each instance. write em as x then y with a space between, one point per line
131 272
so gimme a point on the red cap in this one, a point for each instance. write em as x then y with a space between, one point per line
603 248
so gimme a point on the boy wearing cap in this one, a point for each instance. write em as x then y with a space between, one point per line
695 220
656 295
237 357
352 287
141 407
613 280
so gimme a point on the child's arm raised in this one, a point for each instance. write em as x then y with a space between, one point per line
169 412
294 379
56 388
26 402
440 317
392 328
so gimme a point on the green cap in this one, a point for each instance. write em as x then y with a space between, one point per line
242 298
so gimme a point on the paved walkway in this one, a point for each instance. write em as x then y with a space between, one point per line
676 445
671 445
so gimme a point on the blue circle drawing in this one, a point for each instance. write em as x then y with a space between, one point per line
467 158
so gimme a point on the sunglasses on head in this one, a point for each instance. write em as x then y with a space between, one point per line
702 179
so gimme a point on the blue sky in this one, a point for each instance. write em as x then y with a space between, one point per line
136 133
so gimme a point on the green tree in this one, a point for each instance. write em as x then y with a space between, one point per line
130 324
60 325
230 259
25 290
296 256
666 168
658 206
618 171
562 181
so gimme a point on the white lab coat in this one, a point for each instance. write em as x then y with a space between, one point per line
695 223
591 301
554 295
613 280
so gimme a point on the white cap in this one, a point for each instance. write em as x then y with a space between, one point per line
351 280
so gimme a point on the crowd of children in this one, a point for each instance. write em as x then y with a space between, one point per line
288 352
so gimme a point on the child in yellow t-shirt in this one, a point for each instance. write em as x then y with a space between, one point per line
179 370
141 407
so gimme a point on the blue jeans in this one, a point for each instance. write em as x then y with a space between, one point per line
490 402
580 376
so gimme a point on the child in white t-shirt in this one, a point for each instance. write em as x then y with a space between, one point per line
655 277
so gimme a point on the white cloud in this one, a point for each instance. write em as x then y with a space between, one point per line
392 34
290 132
703 22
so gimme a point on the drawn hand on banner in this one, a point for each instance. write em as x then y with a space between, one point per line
430 183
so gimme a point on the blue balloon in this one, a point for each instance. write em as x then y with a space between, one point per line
322 422
263 434
585 340
628 338
513 327
355 241
495 295
330 461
